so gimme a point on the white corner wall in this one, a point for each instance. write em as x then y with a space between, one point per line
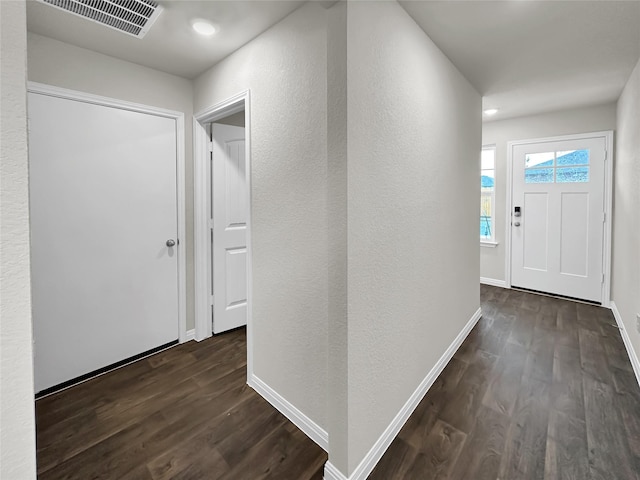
625 285
285 69
498 133
63 65
17 418
337 120
414 138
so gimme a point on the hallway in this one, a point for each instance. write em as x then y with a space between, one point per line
542 388
184 413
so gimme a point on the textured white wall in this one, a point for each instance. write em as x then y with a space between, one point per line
237 119
17 427
414 138
285 69
625 285
67 66
337 390
565 122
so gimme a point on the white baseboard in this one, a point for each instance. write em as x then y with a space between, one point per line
369 462
332 473
493 282
299 419
633 356
190 335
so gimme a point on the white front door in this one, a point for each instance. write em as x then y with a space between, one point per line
557 217
103 206
230 210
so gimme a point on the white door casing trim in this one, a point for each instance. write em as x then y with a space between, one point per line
608 202
202 239
58 92
371 459
190 335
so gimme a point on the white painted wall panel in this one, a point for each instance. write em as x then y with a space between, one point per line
414 139
285 68
17 431
625 286
337 350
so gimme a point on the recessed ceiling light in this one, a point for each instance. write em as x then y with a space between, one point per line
203 27
491 111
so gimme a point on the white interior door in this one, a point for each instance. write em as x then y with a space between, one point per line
229 223
557 217
103 205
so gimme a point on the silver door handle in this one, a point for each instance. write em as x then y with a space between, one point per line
171 242
516 224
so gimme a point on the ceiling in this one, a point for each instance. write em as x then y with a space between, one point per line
170 45
524 57
528 57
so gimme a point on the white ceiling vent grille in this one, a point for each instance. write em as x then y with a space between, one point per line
134 17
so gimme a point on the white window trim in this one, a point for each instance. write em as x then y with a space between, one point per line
490 242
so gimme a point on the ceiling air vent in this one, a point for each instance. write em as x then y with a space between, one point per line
134 17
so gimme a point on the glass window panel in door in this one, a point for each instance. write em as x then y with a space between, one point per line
539 160
538 175
572 175
572 157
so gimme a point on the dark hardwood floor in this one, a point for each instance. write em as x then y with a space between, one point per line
541 389
185 413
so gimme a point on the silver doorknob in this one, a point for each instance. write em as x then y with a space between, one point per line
517 224
171 242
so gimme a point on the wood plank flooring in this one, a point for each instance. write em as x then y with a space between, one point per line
541 389
185 413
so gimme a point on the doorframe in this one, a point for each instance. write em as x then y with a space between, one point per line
608 202
52 91
202 236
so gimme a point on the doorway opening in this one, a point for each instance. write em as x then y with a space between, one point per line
222 204
228 211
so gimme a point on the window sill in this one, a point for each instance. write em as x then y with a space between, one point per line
488 244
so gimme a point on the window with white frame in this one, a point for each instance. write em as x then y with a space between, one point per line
487 193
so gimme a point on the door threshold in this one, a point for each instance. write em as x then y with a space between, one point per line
557 295
101 371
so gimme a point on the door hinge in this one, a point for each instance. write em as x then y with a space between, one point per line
606 154
602 278
211 147
604 217
211 300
